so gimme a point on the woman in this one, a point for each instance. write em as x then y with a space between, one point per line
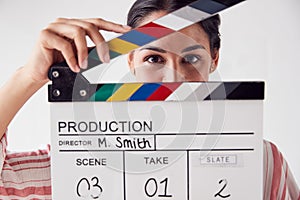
27 175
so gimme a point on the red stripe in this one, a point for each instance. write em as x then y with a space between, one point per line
43 190
267 167
28 168
155 30
29 161
4 137
4 143
276 172
284 189
28 154
163 91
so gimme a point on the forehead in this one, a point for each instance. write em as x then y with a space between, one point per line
196 33
179 41
191 35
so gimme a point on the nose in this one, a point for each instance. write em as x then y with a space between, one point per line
172 73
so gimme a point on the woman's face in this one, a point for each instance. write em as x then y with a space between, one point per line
182 56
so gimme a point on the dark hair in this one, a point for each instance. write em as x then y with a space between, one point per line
142 8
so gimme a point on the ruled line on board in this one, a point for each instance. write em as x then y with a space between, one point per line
124 175
154 142
188 174
94 150
155 134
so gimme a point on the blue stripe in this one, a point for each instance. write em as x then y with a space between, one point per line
208 6
144 92
137 38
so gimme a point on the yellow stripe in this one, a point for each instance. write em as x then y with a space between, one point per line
125 92
121 46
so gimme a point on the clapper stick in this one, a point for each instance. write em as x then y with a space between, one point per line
69 86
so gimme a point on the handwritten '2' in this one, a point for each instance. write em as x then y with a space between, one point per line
222 189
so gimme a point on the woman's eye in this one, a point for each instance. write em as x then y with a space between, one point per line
191 59
154 59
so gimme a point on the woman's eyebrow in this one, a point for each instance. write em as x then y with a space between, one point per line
191 48
152 48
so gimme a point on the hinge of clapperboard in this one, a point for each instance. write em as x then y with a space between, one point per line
69 86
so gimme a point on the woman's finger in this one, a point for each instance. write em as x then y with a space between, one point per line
101 24
93 32
90 28
52 41
108 26
77 29
76 34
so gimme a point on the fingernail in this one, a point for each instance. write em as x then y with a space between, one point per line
77 68
106 58
126 27
84 64
103 52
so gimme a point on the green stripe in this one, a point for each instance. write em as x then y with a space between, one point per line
93 54
105 92
113 54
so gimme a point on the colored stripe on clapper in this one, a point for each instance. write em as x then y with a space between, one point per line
162 92
183 91
125 92
134 92
144 92
105 91
168 24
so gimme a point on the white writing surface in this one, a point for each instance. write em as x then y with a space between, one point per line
157 150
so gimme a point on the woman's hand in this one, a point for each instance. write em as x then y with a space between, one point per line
65 39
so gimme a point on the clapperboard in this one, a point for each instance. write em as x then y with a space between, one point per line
179 141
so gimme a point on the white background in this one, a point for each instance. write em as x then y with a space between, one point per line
260 41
